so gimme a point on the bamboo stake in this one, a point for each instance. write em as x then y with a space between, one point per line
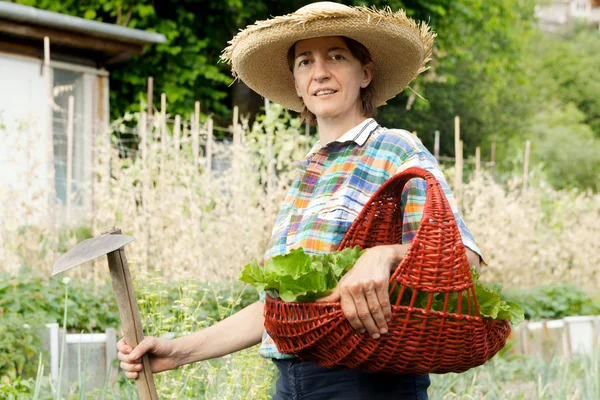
270 162
267 107
163 122
48 77
526 164
458 162
176 134
145 183
150 97
163 143
436 145
235 125
195 144
209 144
477 162
493 159
70 111
197 126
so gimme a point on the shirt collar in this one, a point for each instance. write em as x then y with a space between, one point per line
359 135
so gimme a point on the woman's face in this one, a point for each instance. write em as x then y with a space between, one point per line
329 78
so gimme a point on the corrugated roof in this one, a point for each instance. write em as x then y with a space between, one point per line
37 17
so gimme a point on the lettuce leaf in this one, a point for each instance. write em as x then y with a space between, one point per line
298 276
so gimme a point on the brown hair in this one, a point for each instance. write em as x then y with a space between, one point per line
367 96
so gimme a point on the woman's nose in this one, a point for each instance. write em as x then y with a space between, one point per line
321 71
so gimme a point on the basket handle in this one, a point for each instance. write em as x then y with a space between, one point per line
436 260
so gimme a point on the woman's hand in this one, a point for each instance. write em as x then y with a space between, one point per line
162 355
363 291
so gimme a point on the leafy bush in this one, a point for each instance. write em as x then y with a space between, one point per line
90 308
20 345
554 302
17 388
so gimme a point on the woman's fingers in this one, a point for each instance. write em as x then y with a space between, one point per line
350 311
123 347
367 307
376 307
357 291
131 359
131 367
383 295
369 310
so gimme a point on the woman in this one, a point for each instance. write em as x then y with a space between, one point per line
335 64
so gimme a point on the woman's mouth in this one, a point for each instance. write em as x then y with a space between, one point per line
325 92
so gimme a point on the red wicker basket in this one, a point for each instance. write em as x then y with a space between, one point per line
419 340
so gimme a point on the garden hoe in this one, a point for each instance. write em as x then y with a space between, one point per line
111 243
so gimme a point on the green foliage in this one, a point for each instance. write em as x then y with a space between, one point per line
185 67
478 73
568 65
16 389
566 147
19 344
555 302
91 309
298 276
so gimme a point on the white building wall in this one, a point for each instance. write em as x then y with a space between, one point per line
24 116
30 123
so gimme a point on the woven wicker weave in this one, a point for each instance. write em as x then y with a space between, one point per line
419 340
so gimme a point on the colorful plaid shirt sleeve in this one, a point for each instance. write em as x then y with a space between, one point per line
331 188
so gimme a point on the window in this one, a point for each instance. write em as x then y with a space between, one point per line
65 84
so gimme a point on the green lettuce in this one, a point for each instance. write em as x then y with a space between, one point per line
298 276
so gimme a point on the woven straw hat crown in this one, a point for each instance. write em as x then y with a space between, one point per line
400 48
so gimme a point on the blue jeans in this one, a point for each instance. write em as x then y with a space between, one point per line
303 380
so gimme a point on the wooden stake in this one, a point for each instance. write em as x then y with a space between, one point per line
436 145
150 97
209 143
70 112
163 126
46 50
458 162
48 77
143 129
163 139
477 162
493 160
176 134
195 144
235 125
526 164
267 108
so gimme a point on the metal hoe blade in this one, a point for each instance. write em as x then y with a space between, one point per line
90 249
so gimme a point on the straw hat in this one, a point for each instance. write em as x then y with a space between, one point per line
399 46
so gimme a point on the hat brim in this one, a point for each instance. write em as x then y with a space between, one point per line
400 49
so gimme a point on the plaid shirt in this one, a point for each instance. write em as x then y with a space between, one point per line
335 181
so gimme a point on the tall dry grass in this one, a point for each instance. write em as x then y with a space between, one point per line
193 224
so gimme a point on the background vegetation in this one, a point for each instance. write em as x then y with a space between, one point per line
492 66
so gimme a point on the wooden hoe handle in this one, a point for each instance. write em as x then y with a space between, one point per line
130 316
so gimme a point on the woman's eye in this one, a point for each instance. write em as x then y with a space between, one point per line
337 57
302 63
